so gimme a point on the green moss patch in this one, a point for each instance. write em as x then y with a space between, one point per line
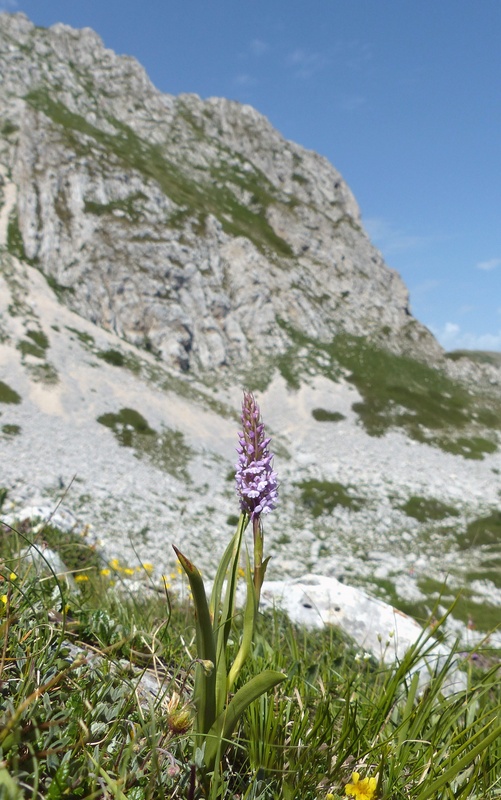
479 356
59 289
8 395
129 206
437 596
8 128
166 449
114 357
473 447
321 415
44 373
484 531
15 244
28 348
425 509
39 338
36 346
118 359
11 430
322 497
85 338
127 424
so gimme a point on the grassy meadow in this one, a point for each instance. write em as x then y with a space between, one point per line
97 669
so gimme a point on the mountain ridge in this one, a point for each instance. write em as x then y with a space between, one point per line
253 228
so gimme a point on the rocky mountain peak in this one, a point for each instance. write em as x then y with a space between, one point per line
189 227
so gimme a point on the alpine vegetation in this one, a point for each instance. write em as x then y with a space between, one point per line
217 711
110 689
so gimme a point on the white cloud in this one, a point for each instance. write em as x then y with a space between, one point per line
451 337
492 263
306 63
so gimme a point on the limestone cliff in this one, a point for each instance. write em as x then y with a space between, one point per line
189 227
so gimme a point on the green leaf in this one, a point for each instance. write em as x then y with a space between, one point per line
220 733
205 685
58 784
217 588
8 786
223 620
250 614
459 764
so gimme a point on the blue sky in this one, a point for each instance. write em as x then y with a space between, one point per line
402 96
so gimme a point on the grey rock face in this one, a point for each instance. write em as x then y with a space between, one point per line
186 226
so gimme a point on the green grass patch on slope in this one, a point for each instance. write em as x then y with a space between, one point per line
88 705
165 449
11 430
465 606
479 356
399 392
15 244
119 359
322 415
322 497
425 509
8 395
149 159
35 347
483 532
127 206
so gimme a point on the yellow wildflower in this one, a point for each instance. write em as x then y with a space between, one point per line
149 568
128 571
105 572
13 576
81 578
4 598
364 789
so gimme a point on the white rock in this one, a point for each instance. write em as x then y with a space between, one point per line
316 601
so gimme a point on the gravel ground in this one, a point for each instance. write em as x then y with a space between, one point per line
137 510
